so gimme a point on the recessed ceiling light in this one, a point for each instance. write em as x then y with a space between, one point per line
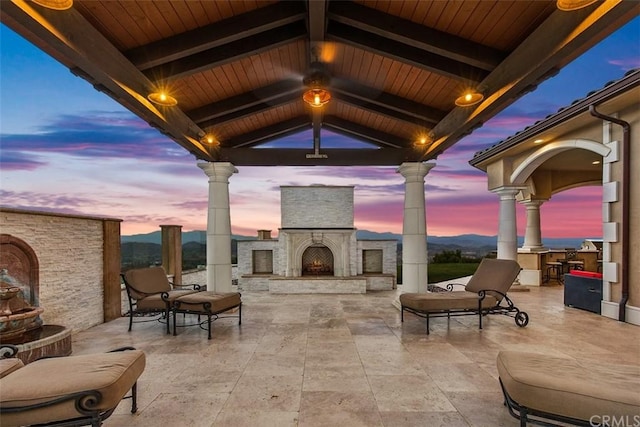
538 141
595 162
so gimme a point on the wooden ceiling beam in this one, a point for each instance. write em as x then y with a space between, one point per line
298 157
405 53
379 109
317 23
416 35
233 51
556 42
250 110
245 100
363 133
269 133
217 34
386 100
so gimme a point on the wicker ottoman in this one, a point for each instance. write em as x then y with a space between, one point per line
208 304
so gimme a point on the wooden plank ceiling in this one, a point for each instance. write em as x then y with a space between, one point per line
237 67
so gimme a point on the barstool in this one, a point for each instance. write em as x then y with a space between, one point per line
554 267
573 262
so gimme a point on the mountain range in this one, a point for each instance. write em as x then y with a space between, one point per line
463 241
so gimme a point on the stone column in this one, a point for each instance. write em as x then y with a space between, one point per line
414 227
507 225
218 226
172 251
533 235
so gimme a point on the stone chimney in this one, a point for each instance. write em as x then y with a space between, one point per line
264 234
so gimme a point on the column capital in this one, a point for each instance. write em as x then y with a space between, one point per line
532 203
218 171
415 171
507 193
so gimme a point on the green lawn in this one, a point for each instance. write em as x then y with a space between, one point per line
441 272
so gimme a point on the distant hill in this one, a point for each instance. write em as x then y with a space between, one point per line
464 242
197 236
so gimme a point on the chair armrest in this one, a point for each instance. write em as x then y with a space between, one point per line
194 286
8 350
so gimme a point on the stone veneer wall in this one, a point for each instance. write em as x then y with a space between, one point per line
389 254
316 206
70 255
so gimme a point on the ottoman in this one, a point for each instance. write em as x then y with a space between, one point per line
207 303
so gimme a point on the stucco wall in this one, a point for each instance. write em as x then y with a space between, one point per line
70 256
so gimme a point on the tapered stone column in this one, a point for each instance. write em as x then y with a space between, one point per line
533 235
507 226
218 226
414 227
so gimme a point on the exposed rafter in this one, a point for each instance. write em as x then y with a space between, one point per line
362 133
298 157
220 55
404 53
214 35
387 100
418 36
269 133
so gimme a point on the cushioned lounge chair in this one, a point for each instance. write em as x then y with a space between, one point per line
486 293
150 292
540 387
67 391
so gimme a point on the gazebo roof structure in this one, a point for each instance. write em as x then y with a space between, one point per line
239 69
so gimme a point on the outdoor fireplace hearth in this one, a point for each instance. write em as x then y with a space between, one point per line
316 250
317 261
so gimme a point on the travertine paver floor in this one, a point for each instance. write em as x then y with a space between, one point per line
347 360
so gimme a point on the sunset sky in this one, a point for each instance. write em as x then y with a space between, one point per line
66 147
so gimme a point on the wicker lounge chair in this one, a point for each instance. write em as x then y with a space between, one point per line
150 292
486 293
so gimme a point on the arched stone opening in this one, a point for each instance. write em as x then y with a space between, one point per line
317 260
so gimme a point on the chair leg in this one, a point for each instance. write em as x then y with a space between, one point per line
134 398
427 316
130 319
240 314
209 324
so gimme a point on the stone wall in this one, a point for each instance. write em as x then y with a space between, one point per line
70 255
316 206
389 254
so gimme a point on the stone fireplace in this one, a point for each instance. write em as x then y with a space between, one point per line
316 248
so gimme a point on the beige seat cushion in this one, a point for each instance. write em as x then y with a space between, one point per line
155 302
570 388
438 301
111 374
9 365
219 302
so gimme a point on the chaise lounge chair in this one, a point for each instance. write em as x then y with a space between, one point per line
486 293
539 388
150 292
66 391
